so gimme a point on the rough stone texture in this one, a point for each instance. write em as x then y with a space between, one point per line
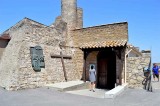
15 68
69 13
117 31
72 16
1 52
79 18
135 70
91 59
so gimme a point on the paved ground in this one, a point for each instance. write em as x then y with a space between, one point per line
156 84
50 97
99 93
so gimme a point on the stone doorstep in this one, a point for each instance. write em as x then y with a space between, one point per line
68 86
116 91
99 93
80 85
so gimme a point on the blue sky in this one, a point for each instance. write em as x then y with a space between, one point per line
143 17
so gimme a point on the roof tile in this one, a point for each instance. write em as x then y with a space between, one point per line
116 43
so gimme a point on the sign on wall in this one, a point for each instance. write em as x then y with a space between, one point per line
37 58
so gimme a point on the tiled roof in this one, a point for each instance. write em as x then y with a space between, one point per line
114 43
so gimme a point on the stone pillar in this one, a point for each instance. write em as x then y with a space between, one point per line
79 18
69 13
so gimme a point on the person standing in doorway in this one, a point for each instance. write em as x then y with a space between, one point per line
155 70
92 78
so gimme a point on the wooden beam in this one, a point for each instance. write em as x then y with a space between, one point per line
120 72
84 71
64 70
59 56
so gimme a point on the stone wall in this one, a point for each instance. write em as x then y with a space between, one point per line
8 65
16 70
78 62
117 31
69 13
79 18
91 59
1 52
135 70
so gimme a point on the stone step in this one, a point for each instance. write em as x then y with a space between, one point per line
116 91
68 86
99 93
82 88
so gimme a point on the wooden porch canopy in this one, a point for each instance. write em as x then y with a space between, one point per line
104 44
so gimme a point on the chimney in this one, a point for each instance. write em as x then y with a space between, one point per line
79 18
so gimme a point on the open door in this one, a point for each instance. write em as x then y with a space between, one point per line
106 71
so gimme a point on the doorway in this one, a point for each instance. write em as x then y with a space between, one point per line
106 70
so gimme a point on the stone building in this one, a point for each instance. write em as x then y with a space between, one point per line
65 50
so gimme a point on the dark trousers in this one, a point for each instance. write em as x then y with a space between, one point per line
156 75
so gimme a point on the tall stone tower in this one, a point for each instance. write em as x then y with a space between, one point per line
69 13
73 16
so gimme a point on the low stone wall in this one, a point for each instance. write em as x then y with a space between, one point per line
135 70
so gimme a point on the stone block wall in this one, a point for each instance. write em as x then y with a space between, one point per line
16 70
79 18
135 71
1 52
8 63
69 13
91 59
101 33
78 62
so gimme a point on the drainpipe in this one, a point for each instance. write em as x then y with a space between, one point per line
126 65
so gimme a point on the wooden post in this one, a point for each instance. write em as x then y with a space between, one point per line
119 53
120 73
64 70
84 67
84 70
